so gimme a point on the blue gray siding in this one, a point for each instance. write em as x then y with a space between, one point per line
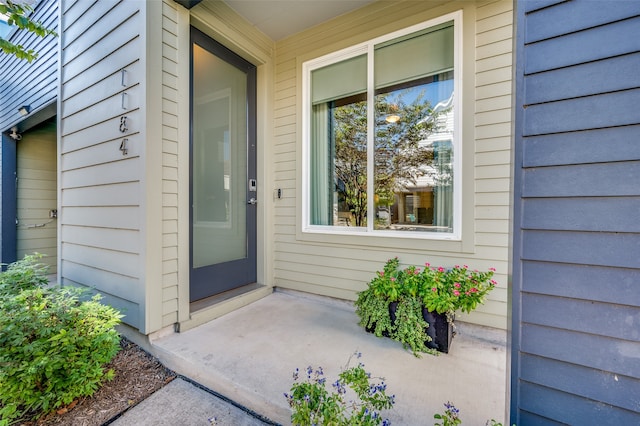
24 83
576 240
34 83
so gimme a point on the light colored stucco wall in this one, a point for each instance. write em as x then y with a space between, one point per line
341 265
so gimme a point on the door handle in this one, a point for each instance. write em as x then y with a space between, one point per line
252 201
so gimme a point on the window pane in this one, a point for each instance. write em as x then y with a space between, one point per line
413 177
339 80
417 55
339 162
338 148
219 160
412 144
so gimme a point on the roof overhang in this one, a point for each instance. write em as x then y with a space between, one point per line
188 3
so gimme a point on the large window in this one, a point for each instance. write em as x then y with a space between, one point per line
382 149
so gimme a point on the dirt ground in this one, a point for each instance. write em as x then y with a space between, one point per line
137 375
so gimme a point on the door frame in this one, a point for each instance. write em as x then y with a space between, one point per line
240 269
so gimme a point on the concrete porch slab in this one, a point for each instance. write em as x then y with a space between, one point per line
249 356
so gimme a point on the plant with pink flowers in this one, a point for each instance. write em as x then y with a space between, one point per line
458 288
401 302
386 284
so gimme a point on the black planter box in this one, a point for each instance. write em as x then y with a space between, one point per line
440 330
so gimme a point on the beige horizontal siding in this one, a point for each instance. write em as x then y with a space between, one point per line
494 31
36 170
169 163
341 266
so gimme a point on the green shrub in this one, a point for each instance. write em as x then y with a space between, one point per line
24 274
53 345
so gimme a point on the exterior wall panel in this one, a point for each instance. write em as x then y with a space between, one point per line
588 213
576 239
542 25
24 83
582 147
571 409
605 248
567 280
621 392
548 87
341 266
100 40
616 38
583 113
34 83
610 355
170 132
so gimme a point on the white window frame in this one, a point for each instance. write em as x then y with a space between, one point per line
368 48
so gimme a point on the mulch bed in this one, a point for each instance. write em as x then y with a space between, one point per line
137 375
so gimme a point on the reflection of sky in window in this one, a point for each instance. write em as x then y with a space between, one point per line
4 27
435 92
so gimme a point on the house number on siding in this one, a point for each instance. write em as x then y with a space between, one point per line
123 128
123 124
123 146
123 120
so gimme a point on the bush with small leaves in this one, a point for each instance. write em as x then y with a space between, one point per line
410 327
312 404
24 274
54 344
451 417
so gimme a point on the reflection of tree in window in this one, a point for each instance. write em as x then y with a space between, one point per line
349 123
412 140
401 155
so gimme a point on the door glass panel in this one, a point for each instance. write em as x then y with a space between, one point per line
219 160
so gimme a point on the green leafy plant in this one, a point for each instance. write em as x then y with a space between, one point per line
27 273
437 289
455 289
53 345
400 288
441 290
410 327
386 284
372 305
312 404
374 313
451 417
17 14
